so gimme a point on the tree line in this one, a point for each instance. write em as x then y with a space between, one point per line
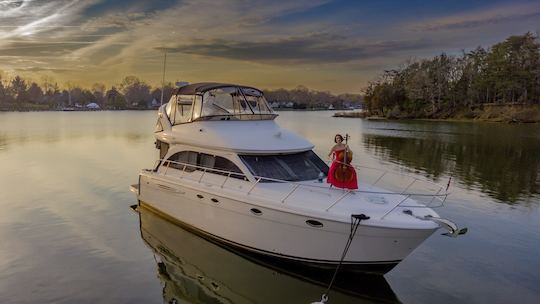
507 73
18 94
303 98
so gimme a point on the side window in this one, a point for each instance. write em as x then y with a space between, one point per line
183 109
203 160
181 158
197 104
206 160
224 164
219 102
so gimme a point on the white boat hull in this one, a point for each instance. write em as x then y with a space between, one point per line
276 234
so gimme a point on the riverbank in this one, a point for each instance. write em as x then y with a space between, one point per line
506 113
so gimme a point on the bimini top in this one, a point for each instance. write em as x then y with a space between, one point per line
217 101
202 87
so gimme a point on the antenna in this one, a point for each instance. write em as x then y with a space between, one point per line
163 77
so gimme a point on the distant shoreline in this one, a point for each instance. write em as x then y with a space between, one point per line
499 113
102 110
53 110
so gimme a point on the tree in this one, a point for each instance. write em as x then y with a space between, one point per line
135 91
3 91
508 72
35 94
115 100
70 87
48 85
168 91
98 91
18 89
513 67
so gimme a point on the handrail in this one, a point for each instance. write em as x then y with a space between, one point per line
290 193
339 200
440 195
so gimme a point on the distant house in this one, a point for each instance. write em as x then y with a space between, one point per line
154 103
274 105
92 106
289 104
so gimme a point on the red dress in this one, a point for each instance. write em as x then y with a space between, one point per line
349 180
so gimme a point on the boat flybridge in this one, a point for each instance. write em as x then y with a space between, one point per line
229 173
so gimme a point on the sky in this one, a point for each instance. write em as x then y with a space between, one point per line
329 45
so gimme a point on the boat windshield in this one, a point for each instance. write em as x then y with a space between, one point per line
235 103
301 166
223 103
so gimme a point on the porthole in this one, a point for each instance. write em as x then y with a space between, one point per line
255 211
314 223
200 196
215 200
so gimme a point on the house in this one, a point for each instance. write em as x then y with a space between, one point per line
92 106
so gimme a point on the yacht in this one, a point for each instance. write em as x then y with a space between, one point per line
227 172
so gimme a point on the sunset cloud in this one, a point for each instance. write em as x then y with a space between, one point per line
264 43
482 17
316 48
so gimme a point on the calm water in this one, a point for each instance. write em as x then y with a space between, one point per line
67 233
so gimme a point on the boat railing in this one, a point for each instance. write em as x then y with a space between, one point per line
407 186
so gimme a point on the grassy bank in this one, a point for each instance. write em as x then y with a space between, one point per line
512 113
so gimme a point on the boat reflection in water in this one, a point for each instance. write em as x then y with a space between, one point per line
196 270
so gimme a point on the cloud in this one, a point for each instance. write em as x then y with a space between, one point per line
315 48
35 17
11 7
207 38
38 49
36 69
147 32
490 16
116 21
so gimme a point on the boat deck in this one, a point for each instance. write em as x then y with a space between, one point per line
318 198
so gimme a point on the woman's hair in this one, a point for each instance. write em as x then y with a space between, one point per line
339 137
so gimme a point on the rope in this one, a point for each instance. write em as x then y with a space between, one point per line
355 222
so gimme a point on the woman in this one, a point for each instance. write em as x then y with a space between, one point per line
341 173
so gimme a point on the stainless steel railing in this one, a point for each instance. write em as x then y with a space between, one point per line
436 193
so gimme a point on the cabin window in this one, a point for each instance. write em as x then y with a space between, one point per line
203 160
234 101
184 104
224 164
256 101
197 104
206 160
184 158
217 102
289 167
169 108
